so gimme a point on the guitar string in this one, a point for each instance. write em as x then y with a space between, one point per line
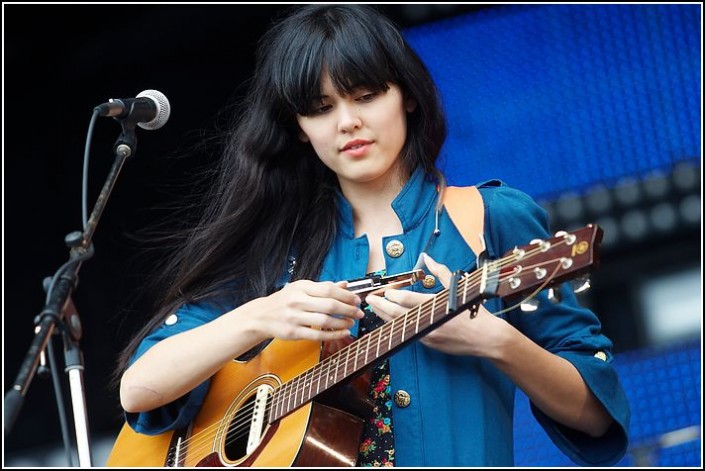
233 429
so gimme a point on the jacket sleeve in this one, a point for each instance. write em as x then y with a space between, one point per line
566 329
182 411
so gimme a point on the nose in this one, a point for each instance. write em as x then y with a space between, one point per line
348 118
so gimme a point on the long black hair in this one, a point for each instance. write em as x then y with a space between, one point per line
271 196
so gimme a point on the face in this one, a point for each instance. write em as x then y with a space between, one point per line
358 136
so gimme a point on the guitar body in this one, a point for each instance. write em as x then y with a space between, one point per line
315 434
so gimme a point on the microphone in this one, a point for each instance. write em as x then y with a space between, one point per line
150 109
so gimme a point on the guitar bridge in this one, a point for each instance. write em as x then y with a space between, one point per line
176 450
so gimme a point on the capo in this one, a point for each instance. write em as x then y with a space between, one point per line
489 275
376 284
453 290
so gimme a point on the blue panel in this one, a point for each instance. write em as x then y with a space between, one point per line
556 98
664 390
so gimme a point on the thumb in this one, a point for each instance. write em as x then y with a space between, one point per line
439 270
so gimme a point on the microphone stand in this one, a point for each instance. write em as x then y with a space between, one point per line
59 311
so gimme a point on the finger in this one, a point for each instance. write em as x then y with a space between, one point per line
311 333
439 270
332 290
330 307
385 309
324 321
407 299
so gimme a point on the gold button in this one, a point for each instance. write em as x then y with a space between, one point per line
402 398
601 355
429 281
395 248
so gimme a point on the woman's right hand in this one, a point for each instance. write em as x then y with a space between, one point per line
301 310
308 310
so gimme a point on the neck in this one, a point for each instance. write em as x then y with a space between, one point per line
372 201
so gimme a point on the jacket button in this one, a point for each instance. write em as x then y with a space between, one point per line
429 281
171 320
402 398
601 355
395 248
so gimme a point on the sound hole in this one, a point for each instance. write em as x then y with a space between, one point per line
238 432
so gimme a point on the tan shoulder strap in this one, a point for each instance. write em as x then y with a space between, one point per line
466 210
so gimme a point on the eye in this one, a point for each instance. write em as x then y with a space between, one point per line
318 108
366 97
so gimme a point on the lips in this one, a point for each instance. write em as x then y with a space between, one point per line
355 144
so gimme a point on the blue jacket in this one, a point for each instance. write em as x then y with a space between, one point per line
461 408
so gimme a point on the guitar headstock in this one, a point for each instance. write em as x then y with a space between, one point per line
544 263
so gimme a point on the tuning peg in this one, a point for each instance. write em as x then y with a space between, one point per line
569 238
530 305
554 295
581 284
543 245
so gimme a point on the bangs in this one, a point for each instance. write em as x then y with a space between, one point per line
352 55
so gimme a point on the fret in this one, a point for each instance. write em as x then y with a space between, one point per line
306 383
347 359
276 401
403 329
334 364
367 348
293 393
418 308
379 339
281 396
297 382
357 354
318 379
282 399
288 398
305 386
391 335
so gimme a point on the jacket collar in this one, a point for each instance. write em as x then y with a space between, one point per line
413 202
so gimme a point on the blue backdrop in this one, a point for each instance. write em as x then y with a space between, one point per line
552 98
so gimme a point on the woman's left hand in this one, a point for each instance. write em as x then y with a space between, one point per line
483 336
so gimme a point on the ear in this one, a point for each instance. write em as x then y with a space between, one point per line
410 105
303 137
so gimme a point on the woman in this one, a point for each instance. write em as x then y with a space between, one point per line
330 175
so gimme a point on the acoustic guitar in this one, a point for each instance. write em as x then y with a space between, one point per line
303 403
